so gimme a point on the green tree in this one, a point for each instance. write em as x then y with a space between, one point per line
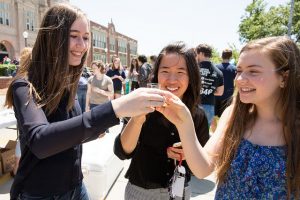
235 53
215 58
258 22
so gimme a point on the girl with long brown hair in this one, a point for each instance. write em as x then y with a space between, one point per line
256 147
134 73
51 124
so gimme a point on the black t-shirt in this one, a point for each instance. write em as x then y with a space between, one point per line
229 72
150 166
211 79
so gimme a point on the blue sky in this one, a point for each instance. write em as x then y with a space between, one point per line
156 23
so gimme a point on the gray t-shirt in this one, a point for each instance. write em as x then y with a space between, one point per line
103 84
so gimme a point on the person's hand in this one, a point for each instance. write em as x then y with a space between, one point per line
175 110
97 90
87 108
139 102
174 153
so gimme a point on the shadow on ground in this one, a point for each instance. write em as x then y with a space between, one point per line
202 186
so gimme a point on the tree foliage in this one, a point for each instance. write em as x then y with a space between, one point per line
258 22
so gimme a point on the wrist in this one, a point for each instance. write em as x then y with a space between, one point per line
139 121
116 107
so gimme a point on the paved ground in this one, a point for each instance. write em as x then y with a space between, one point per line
201 189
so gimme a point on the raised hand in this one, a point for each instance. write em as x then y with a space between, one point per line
175 110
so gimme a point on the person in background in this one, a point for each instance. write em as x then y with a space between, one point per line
211 80
134 73
153 59
229 72
117 74
82 89
126 82
144 72
255 149
147 139
100 87
52 126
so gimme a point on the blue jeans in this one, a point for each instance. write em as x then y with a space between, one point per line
81 93
78 193
209 112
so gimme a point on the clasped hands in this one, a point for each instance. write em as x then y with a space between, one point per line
146 100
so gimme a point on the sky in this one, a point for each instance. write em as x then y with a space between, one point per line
156 23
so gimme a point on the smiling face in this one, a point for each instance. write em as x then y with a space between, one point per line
173 75
257 80
79 41
116 63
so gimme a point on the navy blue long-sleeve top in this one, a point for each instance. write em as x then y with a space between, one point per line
51 145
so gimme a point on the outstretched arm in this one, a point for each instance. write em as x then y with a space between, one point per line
201 160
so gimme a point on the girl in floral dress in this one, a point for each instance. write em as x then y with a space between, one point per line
255 150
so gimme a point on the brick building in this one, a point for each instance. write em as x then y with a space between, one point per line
19 21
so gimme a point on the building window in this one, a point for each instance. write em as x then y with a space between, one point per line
99 39
112 44
103 40
4 14
103 58
3 48
96 56
133 49
122 45
123 59
30 24
96 39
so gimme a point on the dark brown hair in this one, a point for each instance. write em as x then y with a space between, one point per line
226 54
205 49
132 66
48 73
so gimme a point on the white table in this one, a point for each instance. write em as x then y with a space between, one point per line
7 118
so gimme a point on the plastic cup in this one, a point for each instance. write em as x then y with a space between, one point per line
153 85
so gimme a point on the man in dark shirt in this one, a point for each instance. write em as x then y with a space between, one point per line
145 71
229 72
211 80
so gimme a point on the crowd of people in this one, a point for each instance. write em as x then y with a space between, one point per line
254 149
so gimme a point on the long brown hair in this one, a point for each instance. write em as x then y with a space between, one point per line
285 55
132 65
48 73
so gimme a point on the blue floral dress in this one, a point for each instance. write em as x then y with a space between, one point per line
257 172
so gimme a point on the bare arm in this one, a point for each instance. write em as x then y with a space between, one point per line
131 133
201 160
219 91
